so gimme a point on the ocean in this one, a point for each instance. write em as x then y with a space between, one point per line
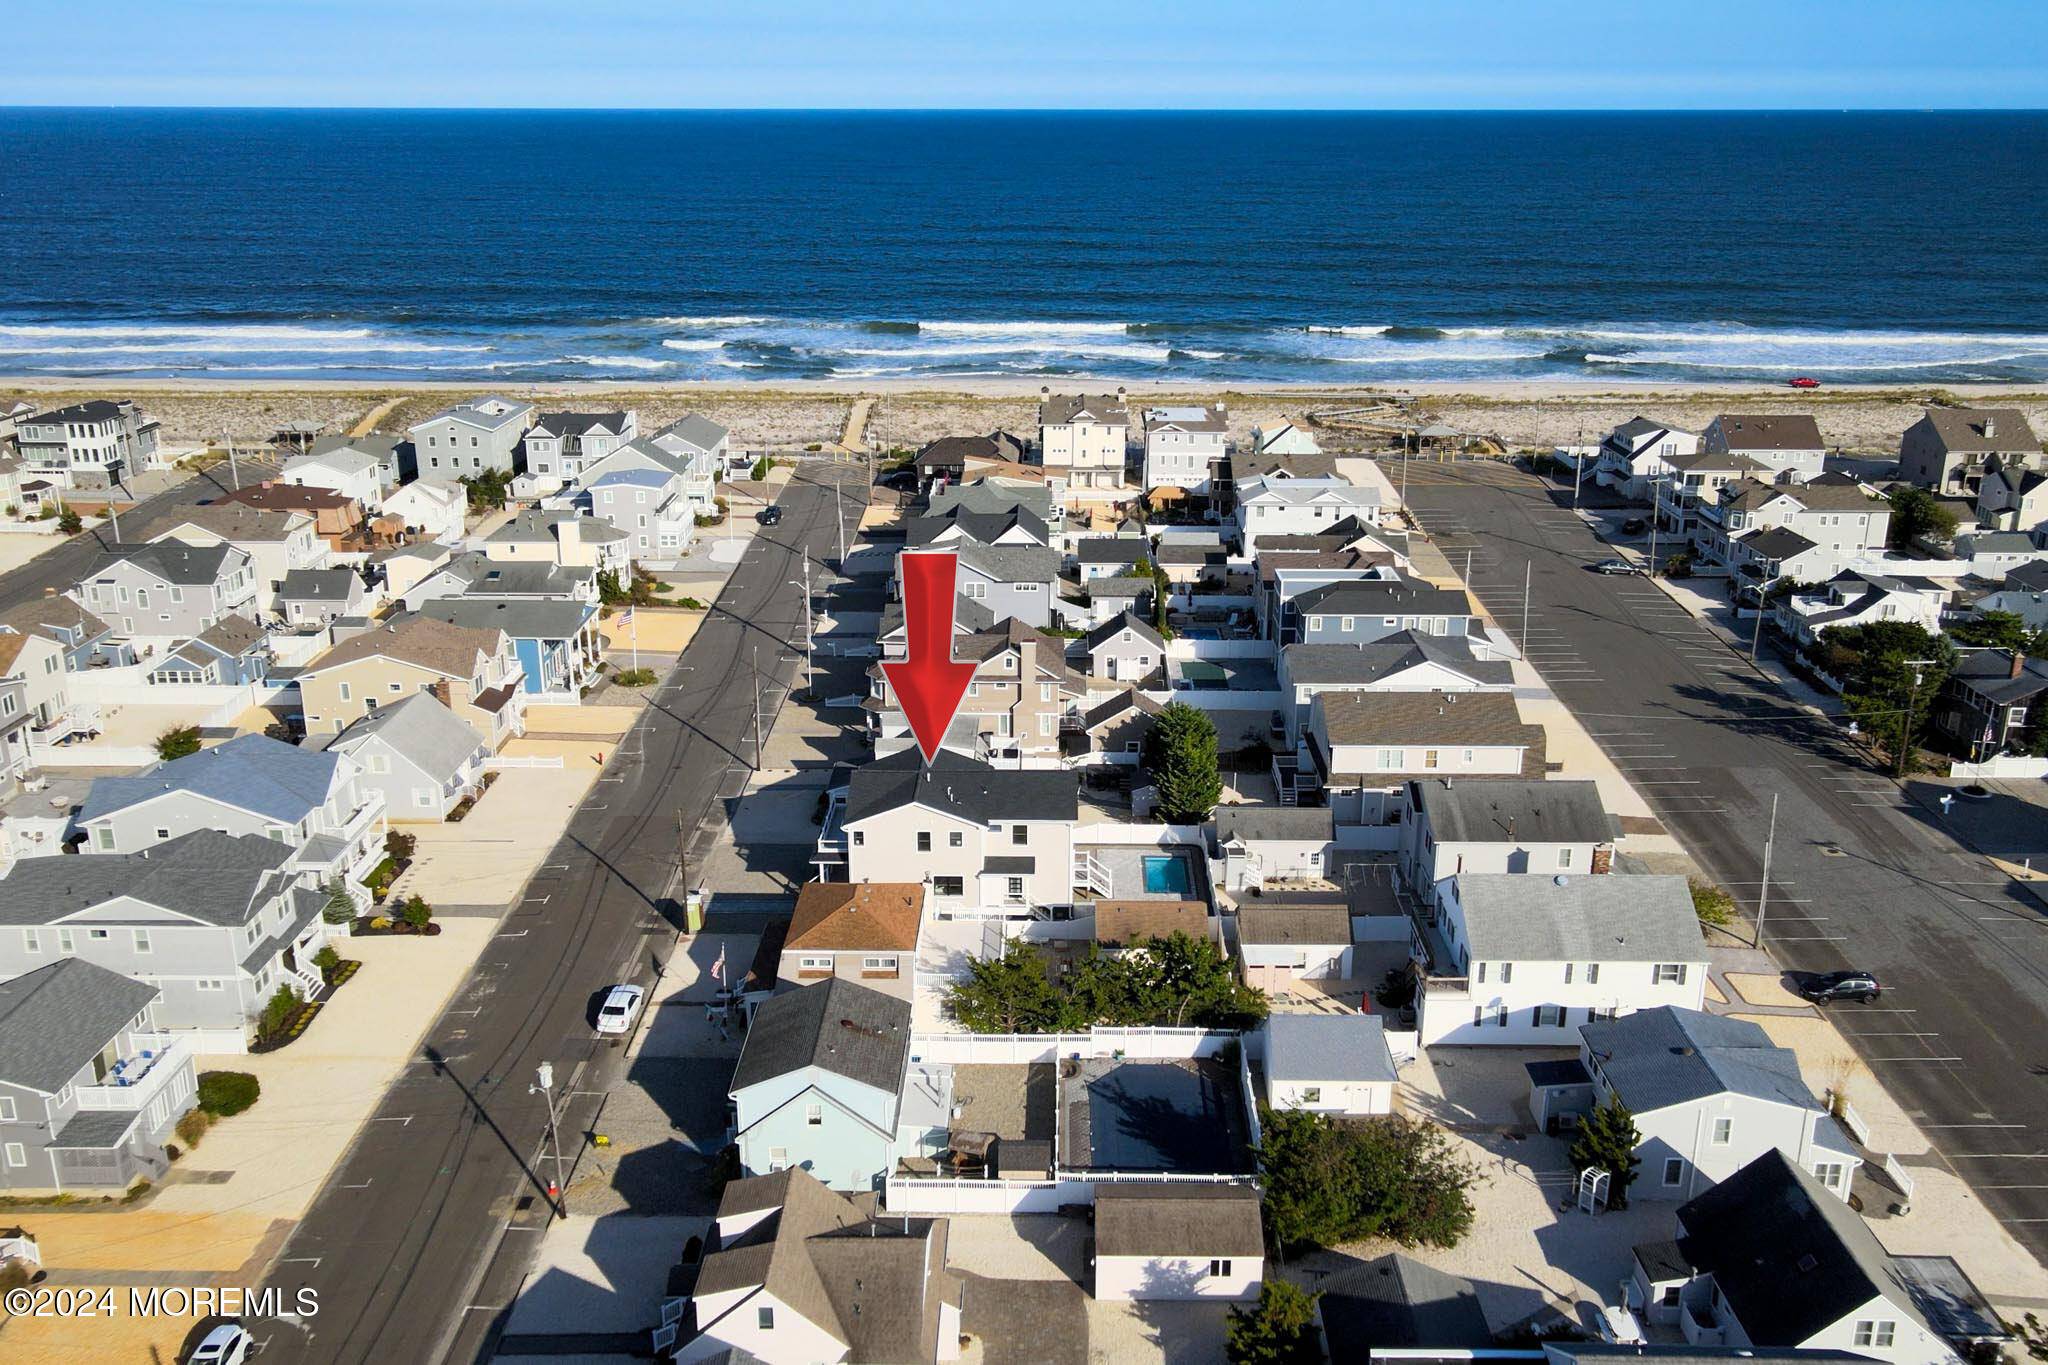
1338 249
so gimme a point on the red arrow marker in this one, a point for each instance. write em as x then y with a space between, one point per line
929 683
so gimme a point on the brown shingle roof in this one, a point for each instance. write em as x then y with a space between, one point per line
446 649
842 916
230 521
1774 431
1126 924
59 611
1196 1220
1962 429
1446 719
11 646
287 497
1293 924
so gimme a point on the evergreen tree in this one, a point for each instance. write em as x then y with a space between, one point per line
1281 1330
1607 1141
1180 755
1009 994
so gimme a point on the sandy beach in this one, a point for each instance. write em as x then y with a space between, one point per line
1519 414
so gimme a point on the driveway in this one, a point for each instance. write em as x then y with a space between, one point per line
478 865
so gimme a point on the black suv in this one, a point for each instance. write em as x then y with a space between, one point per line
1829 987
769 516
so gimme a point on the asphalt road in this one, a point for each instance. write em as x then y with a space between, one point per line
63 566
421 1233
1861 875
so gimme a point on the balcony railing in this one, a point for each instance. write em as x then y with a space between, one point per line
136 1081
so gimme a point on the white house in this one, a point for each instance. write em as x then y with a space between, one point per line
1769 1259
471 438
979 838
1282 943
1839 517
1328 1063
1258 844
1363 748
1184 446
1787 444
1854 599
1186 1240
560 445
1708 1095
1637 454
1082 440
1406 661
1283 438
361 467
1520 961
433 511
1499 825
1275 506
277 543
423 757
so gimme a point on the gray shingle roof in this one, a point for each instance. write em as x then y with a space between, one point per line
1476 810
1199 1220
1395 1302
1059 409
521 618
319 585
1376 597
1773 431
1789 1258
838 1025
1252 822
1660 1057
184 565
1109 629
992 496
55 1019
1515 917
579 423
961 786
1011 563
211 877
1111 550
697 429
1962 429
422 729
255 773
1327 1047
1779 542
1322 925
1365 664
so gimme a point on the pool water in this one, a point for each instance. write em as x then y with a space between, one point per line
1166 875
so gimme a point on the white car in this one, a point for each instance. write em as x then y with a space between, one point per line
620 1008
226 1344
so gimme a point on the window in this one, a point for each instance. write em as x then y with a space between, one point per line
1429 758
1724 1129
860 838
1013 888
819 963
1592 973
1668 973
212 984
104 837
955 839
814 1115
142 940
878 964
1568 972
423 797
97 935
778 1157
1868 1333
1219 1270
1507 972
31 942
162 833
924 841
64 940
1500 1016
1564 857
1829 1174
764 1318
1674 1170
1480 973
1550 1016
948 886
17 1155
1311 1094
1020 835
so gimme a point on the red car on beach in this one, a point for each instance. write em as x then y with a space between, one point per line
1805 382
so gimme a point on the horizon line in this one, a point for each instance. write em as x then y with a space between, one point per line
1012 110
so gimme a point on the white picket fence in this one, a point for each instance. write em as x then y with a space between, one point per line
1181 647
1144 836
500 762
1000 1049
2002 765
905 1194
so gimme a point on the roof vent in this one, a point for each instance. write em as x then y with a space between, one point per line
1560 880
1808 1262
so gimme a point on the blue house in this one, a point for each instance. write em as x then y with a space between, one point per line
555 639
231 651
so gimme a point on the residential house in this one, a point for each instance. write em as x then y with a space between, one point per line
1362 748
1261 845
1016 704
1817 1280
2023 591
94 444
1394 1302
1082 439
557 536
425 759
1283 439
1406 661
1111 732
1709 1094
855 931
560 445
1126 649
1184 446
1636 455
337 518
1858 598
818 1083
1787 444
649 495
87 641
90 1091
1951 450
556 642
1190 1240
1014 525
949 459
1991 553
1283 943
215 922
364 468
1114 597
796 1274
989 495
1495 825
168 591
35 698
705 444
1694 482
472 672
1372 609
311 598
2012 498
483 434
1127 926
1109 556
399 568
1783 553
474 574
276 542
1013 582
1328 1064
1842 519
1520 961
229 653
429 510
1995 701
1285 574
309 801
1270 505
979 838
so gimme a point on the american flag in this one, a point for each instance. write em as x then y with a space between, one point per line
718 967
626 617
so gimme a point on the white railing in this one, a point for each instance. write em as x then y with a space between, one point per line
171 1056
1140 835
501 762
1090 875
1137 1044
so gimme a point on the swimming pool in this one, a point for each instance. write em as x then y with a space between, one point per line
1166 874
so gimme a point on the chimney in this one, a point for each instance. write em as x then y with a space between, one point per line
2019 663
443 693
1603 861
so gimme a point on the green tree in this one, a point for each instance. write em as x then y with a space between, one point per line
1328 1183
611 591
1012 993
486 490
760 469
177 742
69 522
416 912
1188 981
278 1011
1992 630
1915 513
1281 1330
1607 1141
1181 755
339 907
1891 672
1714 906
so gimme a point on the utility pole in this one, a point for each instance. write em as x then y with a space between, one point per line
234 468
1404 476
1468 568
1656 517
1528 571
1763 893
557 1191
1903 759
839 514
757 709
1578 465
1756 637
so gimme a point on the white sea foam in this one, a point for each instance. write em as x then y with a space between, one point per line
623 362
724 321
698 344
1025 328
265 331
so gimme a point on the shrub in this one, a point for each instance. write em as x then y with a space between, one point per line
1714 906
222 1093
416 912
815 446
177 742
1607 1141
69 522
340 907
278 1011
1281 1330
327 959
400 845
761 468
16 1274
194 1124
635 677
379 924
12 510
1329 1183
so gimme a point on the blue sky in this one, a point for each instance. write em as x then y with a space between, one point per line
1424 54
